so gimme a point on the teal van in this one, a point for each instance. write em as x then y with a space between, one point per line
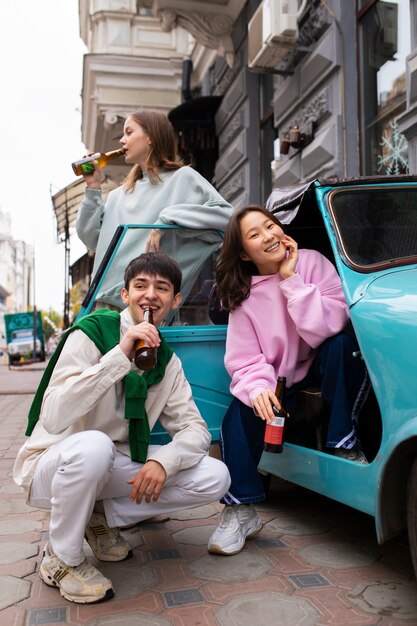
368 228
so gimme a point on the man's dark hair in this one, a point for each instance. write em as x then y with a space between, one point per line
153 263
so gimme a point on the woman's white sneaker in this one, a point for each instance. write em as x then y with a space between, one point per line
236 524
82 583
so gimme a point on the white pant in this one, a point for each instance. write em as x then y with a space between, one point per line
86 467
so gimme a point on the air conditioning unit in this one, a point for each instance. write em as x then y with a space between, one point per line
272 31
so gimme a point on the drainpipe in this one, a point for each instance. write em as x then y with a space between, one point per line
187 68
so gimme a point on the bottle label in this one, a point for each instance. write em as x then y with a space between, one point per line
274 431
87 168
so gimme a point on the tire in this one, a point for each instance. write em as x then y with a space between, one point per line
412 514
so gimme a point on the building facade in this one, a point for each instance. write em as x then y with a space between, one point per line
262 93
16 273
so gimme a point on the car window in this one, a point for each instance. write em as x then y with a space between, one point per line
195 251
376 226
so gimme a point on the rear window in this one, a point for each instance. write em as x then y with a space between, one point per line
376 227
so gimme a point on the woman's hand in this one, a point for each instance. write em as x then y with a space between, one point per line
288 265
153 242
145 331
94 179
262 404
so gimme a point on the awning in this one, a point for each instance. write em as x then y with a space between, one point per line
66 203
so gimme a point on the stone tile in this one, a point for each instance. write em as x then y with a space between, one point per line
13 616
20 569
131 619
192 614
220 594
194 535
10 488
335 608
185 596
48 616
18 526
339 554
309 580
289 562
12 551
293 524
247 611
173 575
398 599
12 590
161 555
14 507
199 512
267 543
129 578
242 566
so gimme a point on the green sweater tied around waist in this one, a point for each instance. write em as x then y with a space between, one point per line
103 328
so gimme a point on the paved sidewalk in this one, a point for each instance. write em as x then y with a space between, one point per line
314 563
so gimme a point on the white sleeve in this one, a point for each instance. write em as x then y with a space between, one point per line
82 375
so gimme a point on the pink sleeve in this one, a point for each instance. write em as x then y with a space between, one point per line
244 361
316 302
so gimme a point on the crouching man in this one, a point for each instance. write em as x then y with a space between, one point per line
88 457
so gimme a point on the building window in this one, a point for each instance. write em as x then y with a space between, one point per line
384 43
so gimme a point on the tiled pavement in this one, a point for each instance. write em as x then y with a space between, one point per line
314 563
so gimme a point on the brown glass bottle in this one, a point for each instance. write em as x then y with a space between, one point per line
274 431
145 355
86 166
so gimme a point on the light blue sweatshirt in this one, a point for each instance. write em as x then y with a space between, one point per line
183 197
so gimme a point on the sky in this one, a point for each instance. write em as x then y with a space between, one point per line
41 60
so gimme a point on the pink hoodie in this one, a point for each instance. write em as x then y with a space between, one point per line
276 330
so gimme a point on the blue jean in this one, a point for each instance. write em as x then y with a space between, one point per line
344 386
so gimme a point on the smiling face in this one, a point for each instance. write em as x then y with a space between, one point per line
136 142
155 292
261 242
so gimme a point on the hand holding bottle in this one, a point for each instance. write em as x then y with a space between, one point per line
90 166
146 353
94 178
274 431
145 333
263 405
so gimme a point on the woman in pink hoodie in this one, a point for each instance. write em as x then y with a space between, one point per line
287 313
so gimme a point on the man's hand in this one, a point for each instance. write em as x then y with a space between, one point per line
148 482
144 330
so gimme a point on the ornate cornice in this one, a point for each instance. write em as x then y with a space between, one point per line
213 31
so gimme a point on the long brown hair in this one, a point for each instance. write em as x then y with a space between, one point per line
163 154
233 274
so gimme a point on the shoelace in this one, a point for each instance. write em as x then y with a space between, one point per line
85 570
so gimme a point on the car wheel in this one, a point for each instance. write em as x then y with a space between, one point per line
412 514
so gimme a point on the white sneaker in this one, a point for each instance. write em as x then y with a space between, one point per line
82 583
236 524
106 543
